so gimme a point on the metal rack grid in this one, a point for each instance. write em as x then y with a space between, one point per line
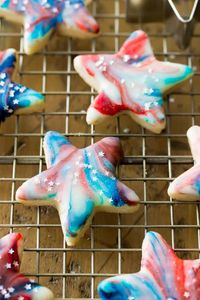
113 243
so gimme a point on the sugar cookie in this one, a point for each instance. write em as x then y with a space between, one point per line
79 182
187 185
131 81
15 98
42 17
13 285
162 276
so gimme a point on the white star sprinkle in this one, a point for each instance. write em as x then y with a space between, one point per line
8 266
4 291
3 75
12 93
28 286
101 154
15 101
22 89
11 289
186 294
15 263
126 57
11 251
7 296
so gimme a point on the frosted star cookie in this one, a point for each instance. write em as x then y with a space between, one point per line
42 17
79 183
187 185
13 285
131 81
163 276
15 98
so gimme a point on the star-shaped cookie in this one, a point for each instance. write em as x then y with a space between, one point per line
163 276
79 182
42 17
13 285
131 81
15 98
187 185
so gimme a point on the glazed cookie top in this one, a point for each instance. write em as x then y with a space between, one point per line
13 285
79 182
163 276
131 81
187 185
15 97
41 17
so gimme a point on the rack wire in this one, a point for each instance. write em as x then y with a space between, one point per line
113 243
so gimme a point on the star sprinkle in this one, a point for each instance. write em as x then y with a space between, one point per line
131 81
13 285
15 98
162 276
42 17
75 193
187 185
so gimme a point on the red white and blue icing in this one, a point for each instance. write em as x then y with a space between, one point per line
13 96
187 185
42 17
131 81
79 182
163 276
13 285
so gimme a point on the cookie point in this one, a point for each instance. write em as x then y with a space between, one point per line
193 130
20 195
77 62
94 116
42 293
11 51
107 290
170 190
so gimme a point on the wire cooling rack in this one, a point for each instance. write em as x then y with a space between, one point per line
113 243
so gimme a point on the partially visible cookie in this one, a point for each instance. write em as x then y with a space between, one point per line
187 185
15 98
13 285
79 183
42 17
132 81
163 276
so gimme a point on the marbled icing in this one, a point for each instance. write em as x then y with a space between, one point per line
42 17
163 276
131 81
79 182
14 96
13 285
